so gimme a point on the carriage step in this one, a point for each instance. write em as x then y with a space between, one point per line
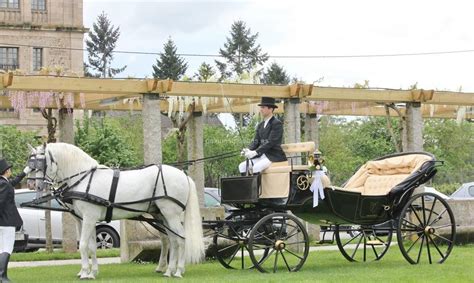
374 243
326 242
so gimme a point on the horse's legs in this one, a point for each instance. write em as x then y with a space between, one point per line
172 254
79 231
93 253
88 229
165 246
176 263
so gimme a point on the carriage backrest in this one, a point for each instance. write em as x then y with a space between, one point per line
298 147
276 178
378 177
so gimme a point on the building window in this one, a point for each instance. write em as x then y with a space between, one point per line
9 4
37 59
38 5
9 58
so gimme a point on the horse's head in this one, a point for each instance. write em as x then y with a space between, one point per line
44 169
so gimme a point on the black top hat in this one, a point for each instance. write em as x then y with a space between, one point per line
4 166
268 101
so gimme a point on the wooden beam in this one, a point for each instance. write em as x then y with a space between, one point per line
358 94
85 85
452 98
228 90
383 95
6 80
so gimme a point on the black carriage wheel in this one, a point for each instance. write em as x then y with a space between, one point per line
426 229
234 253
364 243
286 239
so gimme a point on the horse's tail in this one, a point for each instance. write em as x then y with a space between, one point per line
194 243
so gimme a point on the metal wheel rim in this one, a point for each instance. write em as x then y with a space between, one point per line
285 237
365 244
426 231
104 240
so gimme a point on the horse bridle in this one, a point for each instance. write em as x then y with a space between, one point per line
37 163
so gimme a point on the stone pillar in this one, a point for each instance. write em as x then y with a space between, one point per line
151 129
312 128
138 238
66 134
292 124
195 137
412 135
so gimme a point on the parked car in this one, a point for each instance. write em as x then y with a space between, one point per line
108 234
466 191
21 241
212 198
434 191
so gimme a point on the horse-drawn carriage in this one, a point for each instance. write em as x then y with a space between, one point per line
266 230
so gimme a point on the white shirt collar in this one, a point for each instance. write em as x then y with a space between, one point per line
266 121
4 177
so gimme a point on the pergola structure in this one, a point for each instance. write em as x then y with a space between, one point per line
126 94
152 96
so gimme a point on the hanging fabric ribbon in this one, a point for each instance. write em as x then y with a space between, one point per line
317 186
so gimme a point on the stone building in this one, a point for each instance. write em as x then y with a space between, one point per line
36 34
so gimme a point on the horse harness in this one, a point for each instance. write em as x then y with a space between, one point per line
64 195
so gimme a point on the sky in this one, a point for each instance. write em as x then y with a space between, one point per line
316 28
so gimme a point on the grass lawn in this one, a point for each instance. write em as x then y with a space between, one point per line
57 255
321 266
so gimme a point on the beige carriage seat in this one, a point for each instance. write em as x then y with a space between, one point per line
276 178
378 177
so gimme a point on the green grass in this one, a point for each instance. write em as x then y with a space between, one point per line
321 266
59 255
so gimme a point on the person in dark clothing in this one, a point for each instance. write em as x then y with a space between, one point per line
266 146
10 219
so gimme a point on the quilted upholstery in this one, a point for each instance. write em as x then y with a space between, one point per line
380 176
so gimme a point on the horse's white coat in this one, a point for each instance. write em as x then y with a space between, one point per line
68 160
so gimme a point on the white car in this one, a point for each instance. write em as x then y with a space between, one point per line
108 234
466 191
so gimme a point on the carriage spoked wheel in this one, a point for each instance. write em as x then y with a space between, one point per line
286 239
426 229
231 245
364 243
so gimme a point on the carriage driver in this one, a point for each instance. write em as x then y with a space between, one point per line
266 146
10 219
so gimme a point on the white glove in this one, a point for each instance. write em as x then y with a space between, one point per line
27 170
250 154
244 151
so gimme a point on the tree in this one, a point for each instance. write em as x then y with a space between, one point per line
170 65
370 138
205 72
241 52
275 74
100 46
106 143
14 147
221 140
453 144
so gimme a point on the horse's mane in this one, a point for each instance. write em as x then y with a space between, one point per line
70 158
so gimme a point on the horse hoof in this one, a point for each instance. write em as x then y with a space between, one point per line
88 277
178 275
167 274
161 269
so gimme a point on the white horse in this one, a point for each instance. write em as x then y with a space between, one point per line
59 161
